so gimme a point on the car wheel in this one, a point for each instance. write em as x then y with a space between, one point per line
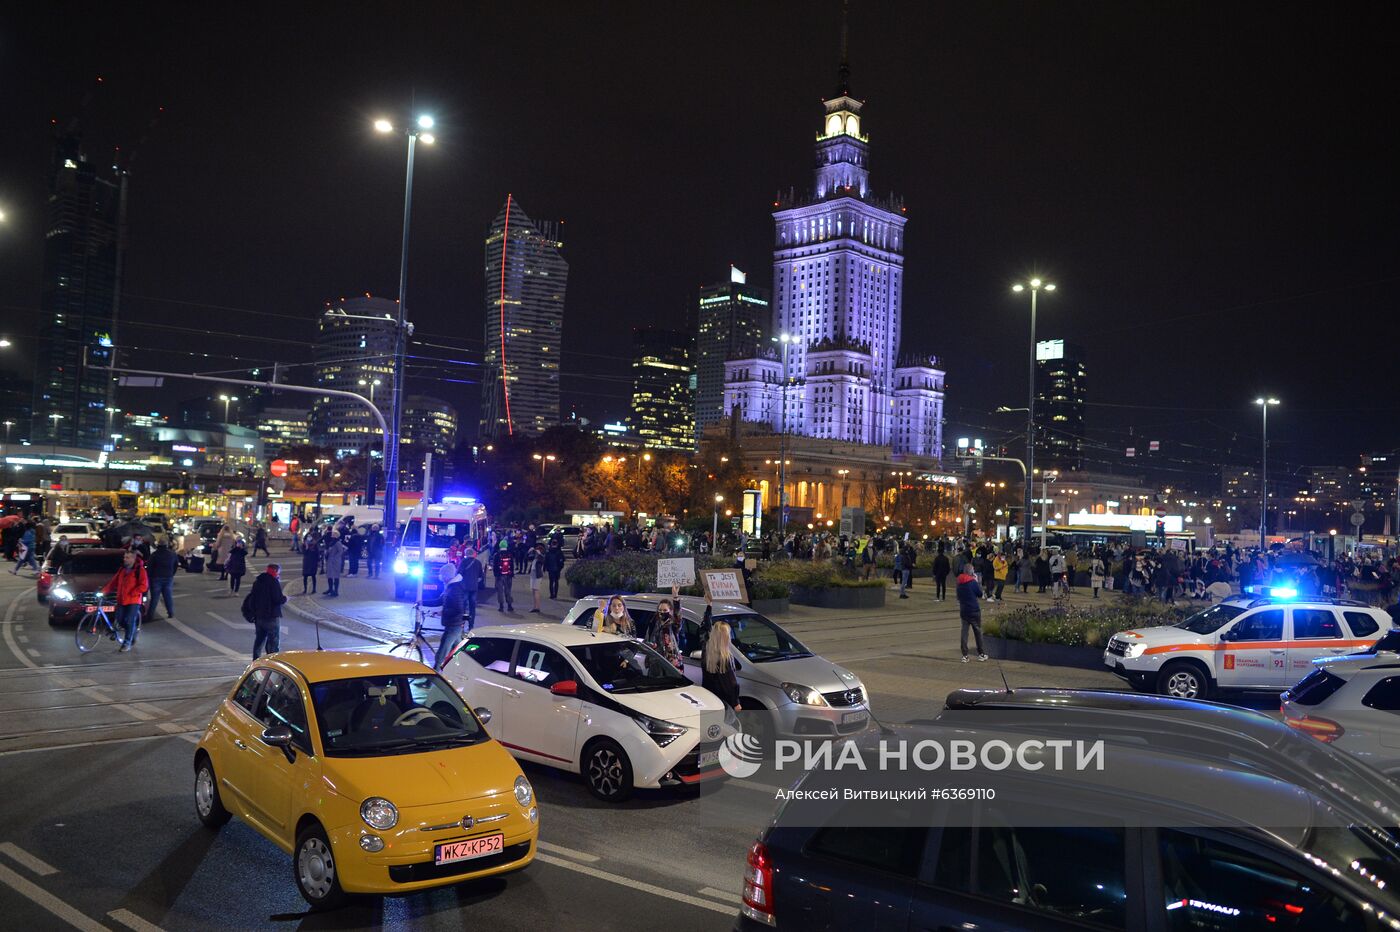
313 865
1182 680
607 771
207 804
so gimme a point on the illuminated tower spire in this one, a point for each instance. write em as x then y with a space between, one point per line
844 73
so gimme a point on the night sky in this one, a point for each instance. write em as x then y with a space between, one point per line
1212 186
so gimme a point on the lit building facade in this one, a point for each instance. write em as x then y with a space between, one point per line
1059 405
429 424
526 280
733 323
354 348
838 291
663 388
77 301
282 428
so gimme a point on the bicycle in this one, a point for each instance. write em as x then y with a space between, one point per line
417 646
95 627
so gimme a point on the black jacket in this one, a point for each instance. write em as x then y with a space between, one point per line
554 560
237 562
941 566
454 603
265 600
162 564
472 573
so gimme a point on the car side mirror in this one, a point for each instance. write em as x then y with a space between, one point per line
1229 635
483 713
280 736
565 688
695 655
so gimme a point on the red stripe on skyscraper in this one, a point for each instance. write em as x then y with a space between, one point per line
505 382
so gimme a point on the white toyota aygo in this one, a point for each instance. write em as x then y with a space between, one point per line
607 707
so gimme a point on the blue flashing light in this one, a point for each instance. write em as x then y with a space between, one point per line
1284 592
416 571
458 500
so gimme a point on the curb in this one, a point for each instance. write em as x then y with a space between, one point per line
344 624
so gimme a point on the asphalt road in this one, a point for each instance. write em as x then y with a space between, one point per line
97 829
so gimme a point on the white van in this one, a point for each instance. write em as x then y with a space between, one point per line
449 522
360 514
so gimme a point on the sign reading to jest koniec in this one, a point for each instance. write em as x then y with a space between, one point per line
725 585
679 571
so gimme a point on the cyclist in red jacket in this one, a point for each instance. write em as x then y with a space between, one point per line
130 584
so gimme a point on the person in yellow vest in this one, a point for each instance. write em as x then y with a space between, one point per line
999 566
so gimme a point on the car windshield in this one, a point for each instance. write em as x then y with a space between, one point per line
762 641
398 714
628 667
84 563
1212 619
441 534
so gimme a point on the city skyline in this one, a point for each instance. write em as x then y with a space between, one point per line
1006 183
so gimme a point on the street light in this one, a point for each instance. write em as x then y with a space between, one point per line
786 339
542 459
1264 405
1034 285
53 434
391 464
226 399
714 532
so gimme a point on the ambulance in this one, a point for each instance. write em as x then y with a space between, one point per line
451 521
1256 641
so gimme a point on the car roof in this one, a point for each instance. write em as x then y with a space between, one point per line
691 603
557 634
317 666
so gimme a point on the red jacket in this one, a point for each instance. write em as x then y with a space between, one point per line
129 585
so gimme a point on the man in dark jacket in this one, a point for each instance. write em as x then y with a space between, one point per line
554 565
263 607
453 605
374 550
970 610
160 571
503 565
941 569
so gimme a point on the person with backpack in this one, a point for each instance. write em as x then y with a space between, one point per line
262 607
970 610
503 566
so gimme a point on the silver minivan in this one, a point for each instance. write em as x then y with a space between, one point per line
806 694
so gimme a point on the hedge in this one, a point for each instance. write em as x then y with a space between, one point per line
1088 626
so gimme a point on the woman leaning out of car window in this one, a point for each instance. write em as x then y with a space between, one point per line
717 659
615 619
664 637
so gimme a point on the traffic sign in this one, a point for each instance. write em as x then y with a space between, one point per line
1358 519
278 468
1161 511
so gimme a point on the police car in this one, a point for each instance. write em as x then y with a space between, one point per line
1255 641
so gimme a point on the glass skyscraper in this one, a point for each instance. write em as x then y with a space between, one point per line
734 319
526 278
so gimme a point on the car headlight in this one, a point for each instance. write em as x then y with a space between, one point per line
59 594
802 695
1134 650
379 813
400 566
524 794
662 732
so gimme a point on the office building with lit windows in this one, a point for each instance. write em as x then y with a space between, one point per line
835 371
526 279
1059 405
733 323
354 348
77 300
663 389
283 428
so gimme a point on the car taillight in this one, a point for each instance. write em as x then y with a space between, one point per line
758 886
1323 729
45 579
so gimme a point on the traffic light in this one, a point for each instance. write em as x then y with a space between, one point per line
1161 529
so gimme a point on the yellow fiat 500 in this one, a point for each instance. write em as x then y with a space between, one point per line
370 771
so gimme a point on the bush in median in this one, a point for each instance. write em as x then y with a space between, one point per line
1081 626
631 571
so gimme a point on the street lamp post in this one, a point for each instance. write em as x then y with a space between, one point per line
226 399
1034 285
8 425
53 434
542 459
372 384
1264 405
418 130
714 532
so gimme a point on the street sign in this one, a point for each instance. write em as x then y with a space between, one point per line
1161 511
278 468
1358 519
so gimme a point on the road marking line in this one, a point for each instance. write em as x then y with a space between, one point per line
32 652
47 900
568 852
24 859
206 641
721 894
9 633
132 921
84 744
654 890
22 638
